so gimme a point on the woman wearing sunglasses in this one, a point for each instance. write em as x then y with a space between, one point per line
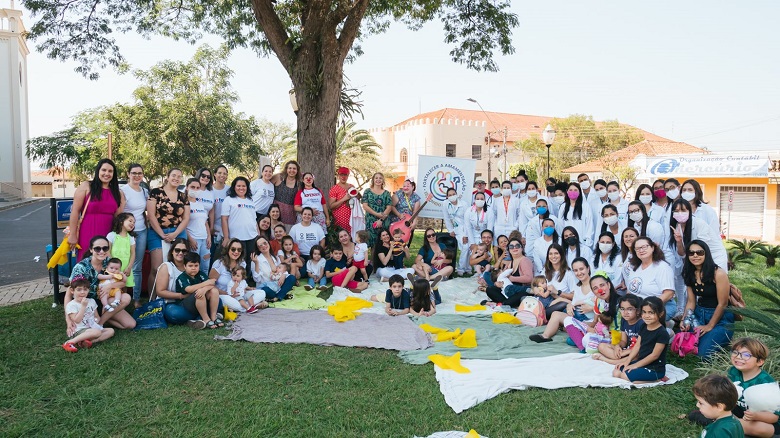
89 267
222 268
708 299
517 284
423 264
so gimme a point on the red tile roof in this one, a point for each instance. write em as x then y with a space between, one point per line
646 147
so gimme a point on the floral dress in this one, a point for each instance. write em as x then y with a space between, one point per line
377 203
405 204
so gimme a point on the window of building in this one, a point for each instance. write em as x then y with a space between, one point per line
476 151
404 156
450 151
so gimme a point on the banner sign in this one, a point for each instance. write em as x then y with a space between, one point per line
437 174
63 212
707 165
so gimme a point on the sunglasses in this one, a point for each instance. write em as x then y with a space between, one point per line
430 235
744 355
205 176
100 249
696 252
236 249
514 246
179 250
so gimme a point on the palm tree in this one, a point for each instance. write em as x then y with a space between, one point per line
770 253
736 257
745 246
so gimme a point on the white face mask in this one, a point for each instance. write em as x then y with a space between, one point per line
688 196
610 220
636 217
613 196
585 185
453 198
645 199
521 186
506 192
479 203
673 194
559 199
532 193
601 193
195 193
605 248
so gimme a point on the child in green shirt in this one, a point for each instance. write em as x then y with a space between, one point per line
716 397
200 296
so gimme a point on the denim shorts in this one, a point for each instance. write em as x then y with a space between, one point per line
154 241
644 375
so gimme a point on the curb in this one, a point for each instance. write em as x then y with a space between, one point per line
21 203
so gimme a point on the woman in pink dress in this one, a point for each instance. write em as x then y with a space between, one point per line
339 201
105 202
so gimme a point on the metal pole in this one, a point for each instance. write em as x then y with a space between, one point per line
548 161
506 169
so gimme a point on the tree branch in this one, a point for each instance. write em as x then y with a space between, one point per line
275 32
351 27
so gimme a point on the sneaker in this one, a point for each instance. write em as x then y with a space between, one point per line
460 273
70 348
435 281
108 308
289 297
115 303
322 287
308 287
196 324
252 310
539 338
699 418
86 343
410 277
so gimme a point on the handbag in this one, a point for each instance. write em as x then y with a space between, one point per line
685 343
150 315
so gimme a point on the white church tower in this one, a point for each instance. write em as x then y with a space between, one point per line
14 127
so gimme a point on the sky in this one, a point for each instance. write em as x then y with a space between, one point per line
702 72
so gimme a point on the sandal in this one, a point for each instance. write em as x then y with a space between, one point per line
211 325
219 323
86 343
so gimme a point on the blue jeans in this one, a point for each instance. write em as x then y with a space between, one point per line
140 250
323 281
488 279
176 314
287 286
719 336
671 309
216 246
203 252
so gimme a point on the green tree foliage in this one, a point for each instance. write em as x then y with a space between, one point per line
578 139
182 116
273 141
311 39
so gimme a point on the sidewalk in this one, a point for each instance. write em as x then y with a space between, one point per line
26 291
13 204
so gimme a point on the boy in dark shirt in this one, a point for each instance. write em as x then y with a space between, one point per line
716 397
199 295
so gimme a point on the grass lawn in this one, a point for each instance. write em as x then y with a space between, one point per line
177 382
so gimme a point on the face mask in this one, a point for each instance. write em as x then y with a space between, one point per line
506 192
532 193
660 194
636 217
559 199
453 198
680 216
605 247
571 241
585 185
522 185
610 220
541 210
601 193
573 195
194 193
613 196
646 199
515 187
688 196
496 192
479 203
673 194
548 231
550 189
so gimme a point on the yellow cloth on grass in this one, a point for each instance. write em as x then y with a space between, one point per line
348 309
473 434
447 336
467 340
465 308
229 314
449 362
431 329
505 318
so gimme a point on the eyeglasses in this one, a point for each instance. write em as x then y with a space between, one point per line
205 176
633 211
136 174
628 309
514 246
236 249
642 248
430 235
696 252
744 355
100 249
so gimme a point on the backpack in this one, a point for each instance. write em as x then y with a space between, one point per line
685 343
530 312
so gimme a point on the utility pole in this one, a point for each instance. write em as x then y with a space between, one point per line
506 169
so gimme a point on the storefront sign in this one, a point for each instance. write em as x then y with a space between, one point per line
708 165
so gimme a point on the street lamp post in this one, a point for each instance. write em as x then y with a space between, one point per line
490 152
548 136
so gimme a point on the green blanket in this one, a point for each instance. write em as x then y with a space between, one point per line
302 300
494 341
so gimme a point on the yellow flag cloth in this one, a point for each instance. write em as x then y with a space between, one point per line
615 335
467 340
431 329
347 310
464 308
229 314
505 318
447 336
60 257
472 434
449 362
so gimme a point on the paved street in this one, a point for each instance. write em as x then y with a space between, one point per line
24 233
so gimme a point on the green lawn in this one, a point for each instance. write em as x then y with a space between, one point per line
177 382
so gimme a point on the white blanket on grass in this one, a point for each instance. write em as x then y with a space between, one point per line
489 378
455 291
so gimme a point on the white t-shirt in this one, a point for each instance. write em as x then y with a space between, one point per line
585 253
112 235
614 269
89 314
316 268
310 198
242 220
567 285
219 198
306 237
652 281
225 277
262 195
206 197
361 249
240 290
199 215
135 204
